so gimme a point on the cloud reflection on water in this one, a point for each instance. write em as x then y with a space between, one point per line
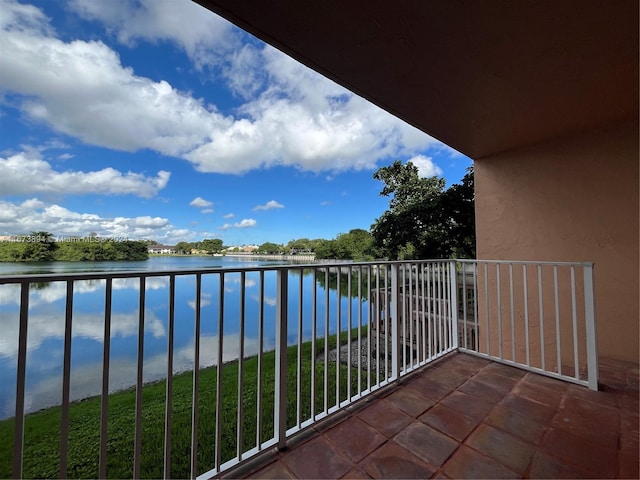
86 380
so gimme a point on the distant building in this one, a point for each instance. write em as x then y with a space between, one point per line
161 249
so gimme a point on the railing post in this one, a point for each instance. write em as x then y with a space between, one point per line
280 407
453 286
395 322
21 375
590 319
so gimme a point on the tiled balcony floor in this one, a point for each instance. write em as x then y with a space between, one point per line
465 417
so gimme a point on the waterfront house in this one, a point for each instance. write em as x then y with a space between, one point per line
161 250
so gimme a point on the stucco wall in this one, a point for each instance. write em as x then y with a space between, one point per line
571 199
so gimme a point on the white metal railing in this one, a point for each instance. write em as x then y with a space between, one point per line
539 316
403 315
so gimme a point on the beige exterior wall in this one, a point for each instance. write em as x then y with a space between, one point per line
571 199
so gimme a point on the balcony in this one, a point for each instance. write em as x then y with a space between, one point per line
467 417
444 362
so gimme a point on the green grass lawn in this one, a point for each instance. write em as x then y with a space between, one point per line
42 428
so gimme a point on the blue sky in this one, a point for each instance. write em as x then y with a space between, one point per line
157 119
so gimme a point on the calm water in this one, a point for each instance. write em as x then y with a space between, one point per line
47 311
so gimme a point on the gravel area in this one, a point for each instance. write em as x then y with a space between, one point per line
363 354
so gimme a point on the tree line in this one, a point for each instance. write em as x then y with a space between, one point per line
424 220
43 247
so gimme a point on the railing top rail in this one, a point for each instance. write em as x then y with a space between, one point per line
52 277
526 262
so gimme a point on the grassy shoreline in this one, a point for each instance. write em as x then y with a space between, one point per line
42 428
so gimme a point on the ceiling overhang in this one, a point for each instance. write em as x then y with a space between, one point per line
482 76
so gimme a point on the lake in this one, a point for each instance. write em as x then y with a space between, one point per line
45 337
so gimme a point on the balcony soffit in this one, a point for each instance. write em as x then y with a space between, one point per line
481 76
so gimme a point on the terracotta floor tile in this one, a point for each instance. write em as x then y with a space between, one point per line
447 377
615 363
631 401
331 421
518 425
611 375
546 466
468 405
546 382
355 473
354 439
301 438
629 443
540 428
495 381
589 420
273 471
409 402
482 391
462 368
426 443
580 453
503 447
529 408
606 398
632 375
393 461
629 466
316 459
429 389
385 418
440 475
468 463
449 422
470 360
505 370
629 434
538 393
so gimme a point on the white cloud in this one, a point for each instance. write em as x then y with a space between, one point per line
245 223
207 210
292 116
46 389
27 173
205 37
82 89
200 202
86 325
205 300
304 120
425 166
54 291
271 204
36 215
228 215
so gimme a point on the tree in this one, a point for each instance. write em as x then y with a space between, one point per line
299 245
355 245
211 245
269 248
460 202
40 247
424 220
324 248
183 247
